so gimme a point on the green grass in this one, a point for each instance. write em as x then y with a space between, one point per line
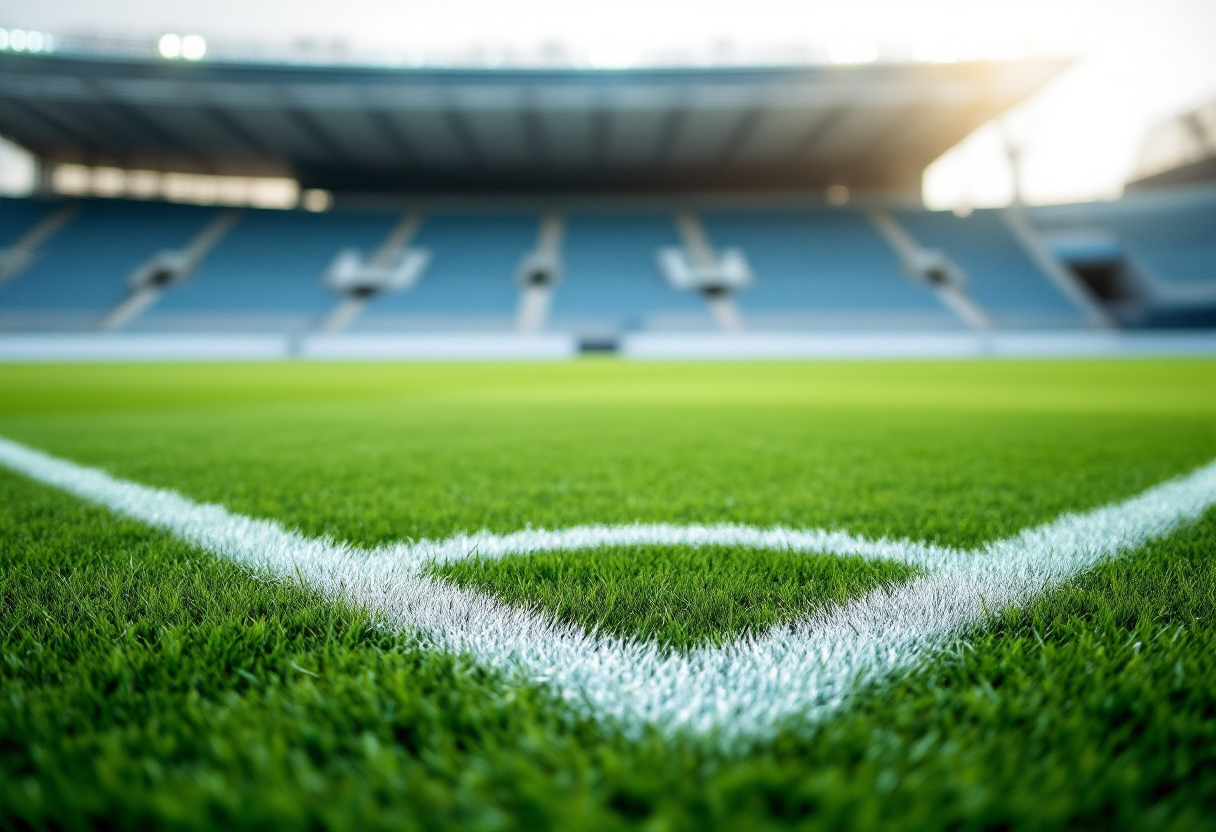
956 453
677 596
143 683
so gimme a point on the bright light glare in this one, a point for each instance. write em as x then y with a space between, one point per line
170 46
975 173
17 40
194 47
941 52
143 184
17 170
109 181
73 180
317 200
853 51
612 57
1007 49
3 39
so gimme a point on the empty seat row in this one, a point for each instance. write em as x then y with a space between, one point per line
816 261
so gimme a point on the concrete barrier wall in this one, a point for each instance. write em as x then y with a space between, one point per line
917 345
141 347
228 347
639 346
478 347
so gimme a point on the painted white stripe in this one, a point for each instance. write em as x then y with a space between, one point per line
489 545
738 692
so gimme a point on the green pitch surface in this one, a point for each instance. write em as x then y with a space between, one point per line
143 682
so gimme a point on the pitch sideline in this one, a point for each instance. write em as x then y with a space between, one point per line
741 691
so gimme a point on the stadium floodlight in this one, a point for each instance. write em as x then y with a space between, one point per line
17 40
169 46
194 47
3 39
612 57
941 51
1007 49
838 194
33 41
853 51
316 200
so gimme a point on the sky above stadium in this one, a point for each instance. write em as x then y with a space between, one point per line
1136 62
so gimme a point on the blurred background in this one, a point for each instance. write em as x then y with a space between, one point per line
604 172
1134 63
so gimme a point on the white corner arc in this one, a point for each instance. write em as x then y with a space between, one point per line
737 692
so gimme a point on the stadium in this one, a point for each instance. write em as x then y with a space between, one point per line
530 442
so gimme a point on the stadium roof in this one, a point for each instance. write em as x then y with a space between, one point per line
526 130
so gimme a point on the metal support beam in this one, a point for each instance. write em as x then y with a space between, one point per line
16 257
932 269
696 241
538 273
725 312
701 256
388 262
166 269
1068 283
44 184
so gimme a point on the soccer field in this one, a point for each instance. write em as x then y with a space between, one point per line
727 635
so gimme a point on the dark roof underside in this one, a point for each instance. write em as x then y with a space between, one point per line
436 131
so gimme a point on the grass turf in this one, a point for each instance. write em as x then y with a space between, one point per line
956 453
145 683
678 596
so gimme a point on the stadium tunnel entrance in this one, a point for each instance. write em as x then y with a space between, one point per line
1129 292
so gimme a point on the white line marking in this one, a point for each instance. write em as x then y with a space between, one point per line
738 692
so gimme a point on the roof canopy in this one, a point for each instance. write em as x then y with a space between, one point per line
511 130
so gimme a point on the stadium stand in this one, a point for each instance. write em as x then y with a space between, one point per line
28 225
1171 233
817 268
468 283
1001 276
612 281
1179 150
267 272
81 273
20 216
464 201
824 267
1151 254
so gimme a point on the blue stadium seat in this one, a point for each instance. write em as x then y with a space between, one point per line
18 216
813 266
1170 232
1003 278
612 277
271 262
819 261
84 267
472 268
